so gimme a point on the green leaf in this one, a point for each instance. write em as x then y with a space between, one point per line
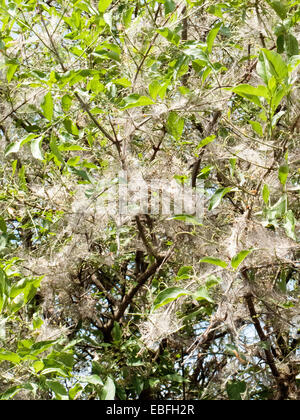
58 371
22 285
36 148
47 106
73 392
55 150
169 295
37 322
252 93
103 5
292 45
38 366
217 197
22 178
184 273
122 82
206 141
71 127
283 174
234 389
107 52
59 390
216 10
272 85
127 17
175 125
74 161
280 93
68 147
4 284
280 8
170 6
41 346
212 281
202 294
266 194
17 303
116 332
136 100
246 89
90 379
281 281
214 261
66 102
171 36
5 289
10 393
84 175
9 356
155 89
212 36
11 69
280 43
3 226
271 64
257 127
239 258
109 390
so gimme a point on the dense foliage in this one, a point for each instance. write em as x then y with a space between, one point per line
98 305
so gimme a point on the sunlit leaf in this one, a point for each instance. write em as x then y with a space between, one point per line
239 258
169 295
266 193
271 64
103 5
202 294
214 261
171 36
175 125
135 100
109 390
9 356
47 106
283 174
212 36
206 141
11 69
66 102
184 273
257 127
